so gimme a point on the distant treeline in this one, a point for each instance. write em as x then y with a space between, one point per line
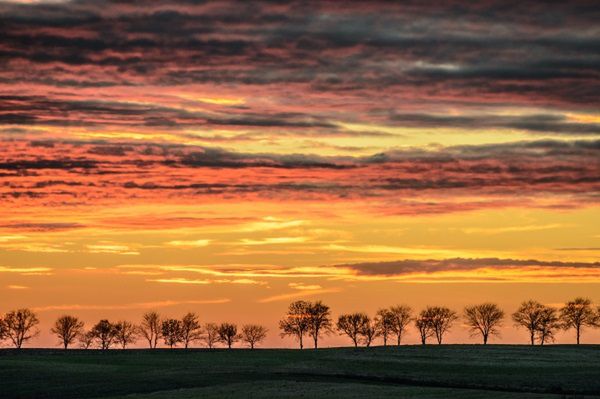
312 320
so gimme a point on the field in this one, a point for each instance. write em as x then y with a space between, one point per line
448 371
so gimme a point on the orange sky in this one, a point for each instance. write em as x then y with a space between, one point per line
229 158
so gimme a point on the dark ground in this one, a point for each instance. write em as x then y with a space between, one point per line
448 371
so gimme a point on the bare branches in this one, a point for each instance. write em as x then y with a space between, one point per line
253 334
67 329
20 326
484 319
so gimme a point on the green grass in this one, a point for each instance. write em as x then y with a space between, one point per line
448 371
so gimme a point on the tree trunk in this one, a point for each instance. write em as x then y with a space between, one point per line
532 338
316 338
485 338
578 334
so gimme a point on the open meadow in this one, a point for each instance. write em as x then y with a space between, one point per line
431 371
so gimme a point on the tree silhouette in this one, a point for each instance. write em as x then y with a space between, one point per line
125 333
296 322
20 326
150 328
319 321
401 317
548 324
104 332
253 334
528 316
353 325
211 334
2 329
86 339
369 332
172 332
384 320
578 314
423 324
191 329
228 334
441 320
484 319
67 329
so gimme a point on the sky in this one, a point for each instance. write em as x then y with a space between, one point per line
229 157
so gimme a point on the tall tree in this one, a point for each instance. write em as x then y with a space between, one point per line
211 334
20 326
401 318
384 320
253 334
578 314
228 334
172 332
126 333
484 319
549 322
369 331
319 321
2 329
191 329
353 325
67 329
296 322
86 339
528 316
104 332
424 325
441 320
150 328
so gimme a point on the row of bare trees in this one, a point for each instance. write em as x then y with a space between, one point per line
20 326
313 320
541 321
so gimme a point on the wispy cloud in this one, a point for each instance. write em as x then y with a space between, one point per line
16 287
189 244
298 294
26 270
137 305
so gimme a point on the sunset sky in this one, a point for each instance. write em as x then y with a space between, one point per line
229 157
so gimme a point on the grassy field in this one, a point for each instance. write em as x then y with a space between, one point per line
449 371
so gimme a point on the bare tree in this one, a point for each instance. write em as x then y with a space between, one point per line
86 339
528 316
441 320
548 324
211 334
20 326
67 328
150 328
125 333
423 324
2 329
484 319
353 325
578 314
253 334
228 334
384 320
172 332
296 323
369 332
319 321
401 317
105 333
191 329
